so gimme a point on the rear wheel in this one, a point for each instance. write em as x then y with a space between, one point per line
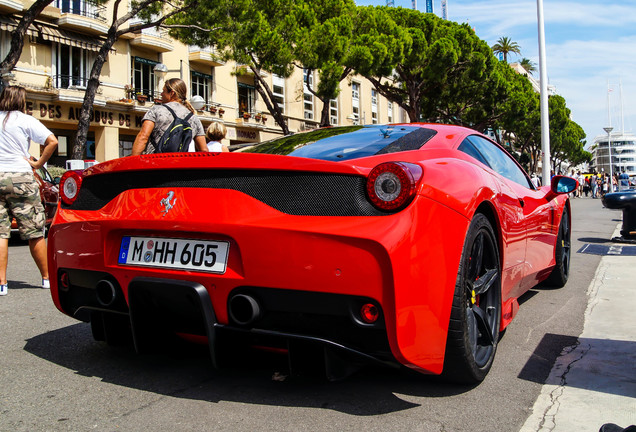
476 312
561 272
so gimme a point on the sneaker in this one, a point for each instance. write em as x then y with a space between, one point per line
46 284
4 288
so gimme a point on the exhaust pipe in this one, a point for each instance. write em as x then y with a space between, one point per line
106 293
244 309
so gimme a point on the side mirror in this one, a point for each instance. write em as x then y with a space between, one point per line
56 180
562 184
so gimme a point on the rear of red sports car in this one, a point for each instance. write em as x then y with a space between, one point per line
348 256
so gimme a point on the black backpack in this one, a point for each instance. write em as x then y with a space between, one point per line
177 137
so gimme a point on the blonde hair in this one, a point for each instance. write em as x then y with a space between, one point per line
178 86
13 98
216 131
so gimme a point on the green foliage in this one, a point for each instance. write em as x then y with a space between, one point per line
436 70
505 46
251 32
528 65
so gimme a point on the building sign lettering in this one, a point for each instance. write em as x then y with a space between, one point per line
246 135
55 112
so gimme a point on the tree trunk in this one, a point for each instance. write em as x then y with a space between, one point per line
17 36
268 97
412 107
86 113
324 113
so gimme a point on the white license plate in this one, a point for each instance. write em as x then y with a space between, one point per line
175 253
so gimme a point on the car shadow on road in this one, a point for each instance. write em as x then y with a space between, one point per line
595 240
187 372
600 365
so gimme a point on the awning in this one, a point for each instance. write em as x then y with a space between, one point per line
9 24
70 38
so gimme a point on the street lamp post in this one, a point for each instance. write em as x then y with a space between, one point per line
609 149
543 97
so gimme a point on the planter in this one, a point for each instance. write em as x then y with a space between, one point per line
213 110
264 119
221 112
246 116
157 100
142 98
123 101
258 117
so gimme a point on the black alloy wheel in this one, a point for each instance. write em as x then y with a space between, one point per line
561 272
476 312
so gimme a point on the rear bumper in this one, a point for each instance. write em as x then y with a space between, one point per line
406 263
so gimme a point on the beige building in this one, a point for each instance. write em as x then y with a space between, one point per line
59 50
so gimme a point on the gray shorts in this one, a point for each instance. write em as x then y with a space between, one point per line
20 198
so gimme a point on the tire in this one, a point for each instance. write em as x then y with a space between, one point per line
473 330
561 272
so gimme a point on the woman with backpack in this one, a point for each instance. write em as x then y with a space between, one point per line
155 126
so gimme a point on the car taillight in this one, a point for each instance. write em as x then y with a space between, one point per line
392 185
70 186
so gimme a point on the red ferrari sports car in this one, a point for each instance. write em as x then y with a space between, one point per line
403 244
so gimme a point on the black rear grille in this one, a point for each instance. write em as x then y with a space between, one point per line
297 193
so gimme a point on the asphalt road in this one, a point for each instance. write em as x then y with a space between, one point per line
54 377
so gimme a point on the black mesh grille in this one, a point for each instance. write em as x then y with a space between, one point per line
299 193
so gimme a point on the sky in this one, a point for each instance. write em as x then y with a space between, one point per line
590 47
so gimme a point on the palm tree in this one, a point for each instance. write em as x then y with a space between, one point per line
528 65
504 46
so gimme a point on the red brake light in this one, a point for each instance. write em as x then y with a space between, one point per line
369 313
70 186
392 185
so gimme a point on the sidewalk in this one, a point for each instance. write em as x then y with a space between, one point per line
594 382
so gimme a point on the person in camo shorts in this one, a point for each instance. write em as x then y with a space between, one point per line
19 191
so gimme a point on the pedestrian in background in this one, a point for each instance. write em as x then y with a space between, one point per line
623 180
215 133
158 118
581 179
19 191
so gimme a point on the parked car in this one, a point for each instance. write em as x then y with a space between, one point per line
49 192
404 244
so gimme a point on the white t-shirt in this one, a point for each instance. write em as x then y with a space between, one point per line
215 146
15 139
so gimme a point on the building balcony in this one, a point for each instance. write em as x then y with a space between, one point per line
207 56
83 16
81 23
152 40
